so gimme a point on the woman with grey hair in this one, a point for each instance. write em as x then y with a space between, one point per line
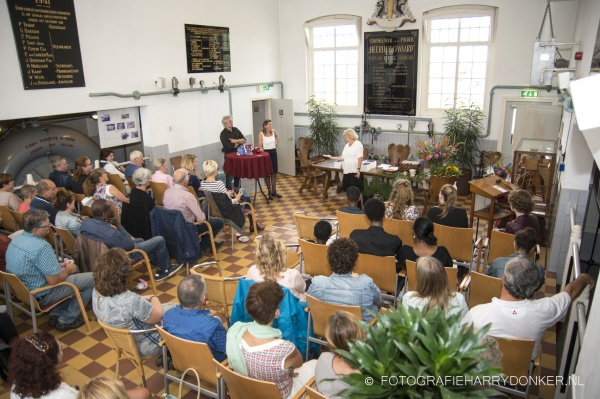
139 194
160 175
136 217
352 158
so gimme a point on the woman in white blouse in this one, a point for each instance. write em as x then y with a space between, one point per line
107 161
267 141
352 158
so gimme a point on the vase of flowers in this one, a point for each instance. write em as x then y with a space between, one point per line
436 153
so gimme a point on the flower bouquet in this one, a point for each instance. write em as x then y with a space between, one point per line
436 153
446 170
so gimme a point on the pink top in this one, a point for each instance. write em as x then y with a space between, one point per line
290 279
23 207
178 198
160 177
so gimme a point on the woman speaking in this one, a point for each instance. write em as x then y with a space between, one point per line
267 140
352 157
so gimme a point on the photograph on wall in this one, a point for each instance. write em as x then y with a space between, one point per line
119 127
390 81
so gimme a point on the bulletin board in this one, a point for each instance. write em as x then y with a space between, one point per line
119 127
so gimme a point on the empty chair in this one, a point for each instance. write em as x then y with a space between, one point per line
516 362
312 177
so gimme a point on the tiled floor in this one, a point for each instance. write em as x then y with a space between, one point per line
88 355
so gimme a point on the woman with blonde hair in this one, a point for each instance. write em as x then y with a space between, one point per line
95 186
447 214
189 162
271 265
331 367
401 204
108 388
352 158
433 289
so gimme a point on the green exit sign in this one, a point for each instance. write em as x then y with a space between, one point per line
530 93
264 88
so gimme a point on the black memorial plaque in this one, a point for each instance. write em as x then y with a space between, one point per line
391 72
207 49
47 43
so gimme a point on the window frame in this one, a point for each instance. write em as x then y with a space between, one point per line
327 21
449 13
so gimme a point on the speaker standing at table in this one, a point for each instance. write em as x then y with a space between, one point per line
231 138
352 156
267 140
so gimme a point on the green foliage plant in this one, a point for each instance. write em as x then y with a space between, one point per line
464 126
323 127
410 351
378 188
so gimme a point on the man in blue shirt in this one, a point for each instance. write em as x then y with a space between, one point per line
353 196
191 321
32 259
137 159
46 191
60 175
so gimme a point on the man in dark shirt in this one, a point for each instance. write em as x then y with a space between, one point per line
231 138
46 191
352 195
374 240
60 175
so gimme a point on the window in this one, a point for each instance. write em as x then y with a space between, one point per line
458 46
333 60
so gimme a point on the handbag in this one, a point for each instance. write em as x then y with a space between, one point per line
181 385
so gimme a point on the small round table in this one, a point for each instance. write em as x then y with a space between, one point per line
254 166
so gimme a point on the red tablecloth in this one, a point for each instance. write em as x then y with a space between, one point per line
249 166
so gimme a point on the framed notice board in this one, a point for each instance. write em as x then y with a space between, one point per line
47 43
119 126
207 49
391 72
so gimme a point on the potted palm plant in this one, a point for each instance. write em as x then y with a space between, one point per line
412 353
463 127
323 126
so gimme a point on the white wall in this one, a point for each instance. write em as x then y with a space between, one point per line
125 45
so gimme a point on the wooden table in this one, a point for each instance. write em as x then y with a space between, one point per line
487 187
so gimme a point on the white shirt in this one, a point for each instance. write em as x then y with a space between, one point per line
520 319
62 392
268 142
456 304
350 155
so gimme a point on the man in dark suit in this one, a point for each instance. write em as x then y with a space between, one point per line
374 240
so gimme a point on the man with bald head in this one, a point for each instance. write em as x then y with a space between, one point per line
180 199
46 191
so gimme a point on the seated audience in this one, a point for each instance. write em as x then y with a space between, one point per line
108 388
27 191
425 245
60 175
401 204
137 159
374 240
256 349
521 204
46 190
107 161
160 175
95 186
353 196
190 163
7 196
524 242
331 367
344 287
447 214
514 315
105 227
322 232
433 289
271 258
66 218
34 367
225 207
116 306
139 194
32 259
81 170
179 198
190 320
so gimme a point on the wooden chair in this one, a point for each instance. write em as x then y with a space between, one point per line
293 258
66 241
176 162
319 313
459 242
123 343
516 362
241 387
501 244
312 177
382 269
8 221
79 197
18 216
305 225
312 393
158 190
212 241
188 354
398 153
87 211
482 289
198 199
130 182
26 297
411 276
400 228
116 181
314 259
348 222
215 212
220 291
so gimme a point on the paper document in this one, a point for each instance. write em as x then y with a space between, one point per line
497 187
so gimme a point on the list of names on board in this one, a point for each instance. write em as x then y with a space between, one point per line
207 48
47 43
